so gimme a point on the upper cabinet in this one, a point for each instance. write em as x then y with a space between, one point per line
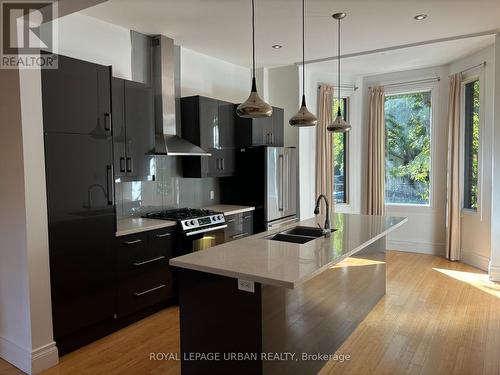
266 131
85 106
208 123
133 134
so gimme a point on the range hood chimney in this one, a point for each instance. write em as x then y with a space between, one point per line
167 142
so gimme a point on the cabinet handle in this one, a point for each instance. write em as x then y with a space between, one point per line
272 138
218 163
222 163
133 242
107 122
230 221
239 235
111 185
163 235
138 294
247 217
137 264
122 164
130 165
267 138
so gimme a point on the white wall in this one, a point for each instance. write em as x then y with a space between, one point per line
425 230
87 38
476 226
494 267
90 39
15 334
26 338
212 77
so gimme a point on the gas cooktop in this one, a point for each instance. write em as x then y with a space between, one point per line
191 220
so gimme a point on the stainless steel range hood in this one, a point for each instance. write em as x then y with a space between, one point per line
167 142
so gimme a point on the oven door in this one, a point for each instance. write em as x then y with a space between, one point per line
192 242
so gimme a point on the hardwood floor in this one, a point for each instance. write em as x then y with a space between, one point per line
437 317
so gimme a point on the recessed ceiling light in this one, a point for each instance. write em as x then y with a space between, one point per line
277 46
420 17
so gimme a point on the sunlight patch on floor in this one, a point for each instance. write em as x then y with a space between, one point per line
353 262
478 280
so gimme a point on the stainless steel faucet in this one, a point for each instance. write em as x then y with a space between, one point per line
327 228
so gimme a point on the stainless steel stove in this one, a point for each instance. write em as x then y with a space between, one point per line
192 221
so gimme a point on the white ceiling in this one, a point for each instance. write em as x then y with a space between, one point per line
221 28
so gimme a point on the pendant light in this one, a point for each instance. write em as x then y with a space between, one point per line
339 125
254 106
303 117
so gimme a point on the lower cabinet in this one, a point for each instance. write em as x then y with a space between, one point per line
145 277
239 226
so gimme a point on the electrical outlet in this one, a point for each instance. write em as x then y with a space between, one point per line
212 194
246 285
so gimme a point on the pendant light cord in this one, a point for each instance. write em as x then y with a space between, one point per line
253 38
303 54
339 113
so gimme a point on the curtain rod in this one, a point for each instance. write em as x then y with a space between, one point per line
352 87
437 79
473 67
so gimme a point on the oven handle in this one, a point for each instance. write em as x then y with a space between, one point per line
206 230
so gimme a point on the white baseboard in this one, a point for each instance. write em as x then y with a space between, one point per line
494 272
44 357
29 361
474 259
416 247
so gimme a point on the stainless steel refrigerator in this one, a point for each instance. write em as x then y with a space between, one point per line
266 179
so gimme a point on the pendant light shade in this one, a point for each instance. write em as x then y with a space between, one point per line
303 117
339 125
254 106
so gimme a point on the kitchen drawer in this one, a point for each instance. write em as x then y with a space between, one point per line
238 226
145 251
144 290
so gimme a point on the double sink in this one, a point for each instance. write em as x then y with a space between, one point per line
299 234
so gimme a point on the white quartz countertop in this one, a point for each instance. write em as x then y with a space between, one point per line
229 209
285 264
136 225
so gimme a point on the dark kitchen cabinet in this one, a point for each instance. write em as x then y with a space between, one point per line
208 123
76 98
133 135
238 226
145 277
266 131
81 220
80 196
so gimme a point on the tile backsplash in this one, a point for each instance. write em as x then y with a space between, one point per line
169 190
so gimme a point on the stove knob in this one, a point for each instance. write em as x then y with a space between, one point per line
192 222
220 217
186 223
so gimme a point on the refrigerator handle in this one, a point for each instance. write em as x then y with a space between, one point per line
281 182
287 182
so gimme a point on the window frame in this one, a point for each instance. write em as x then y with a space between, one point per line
412 89
347 104
475 75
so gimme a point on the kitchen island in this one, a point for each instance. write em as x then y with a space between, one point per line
261 306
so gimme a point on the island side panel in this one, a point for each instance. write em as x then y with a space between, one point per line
320 314
217 317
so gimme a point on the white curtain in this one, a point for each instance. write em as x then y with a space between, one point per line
376 152
453 177
324 144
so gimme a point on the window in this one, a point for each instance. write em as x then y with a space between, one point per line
408 148
471 144
340 155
